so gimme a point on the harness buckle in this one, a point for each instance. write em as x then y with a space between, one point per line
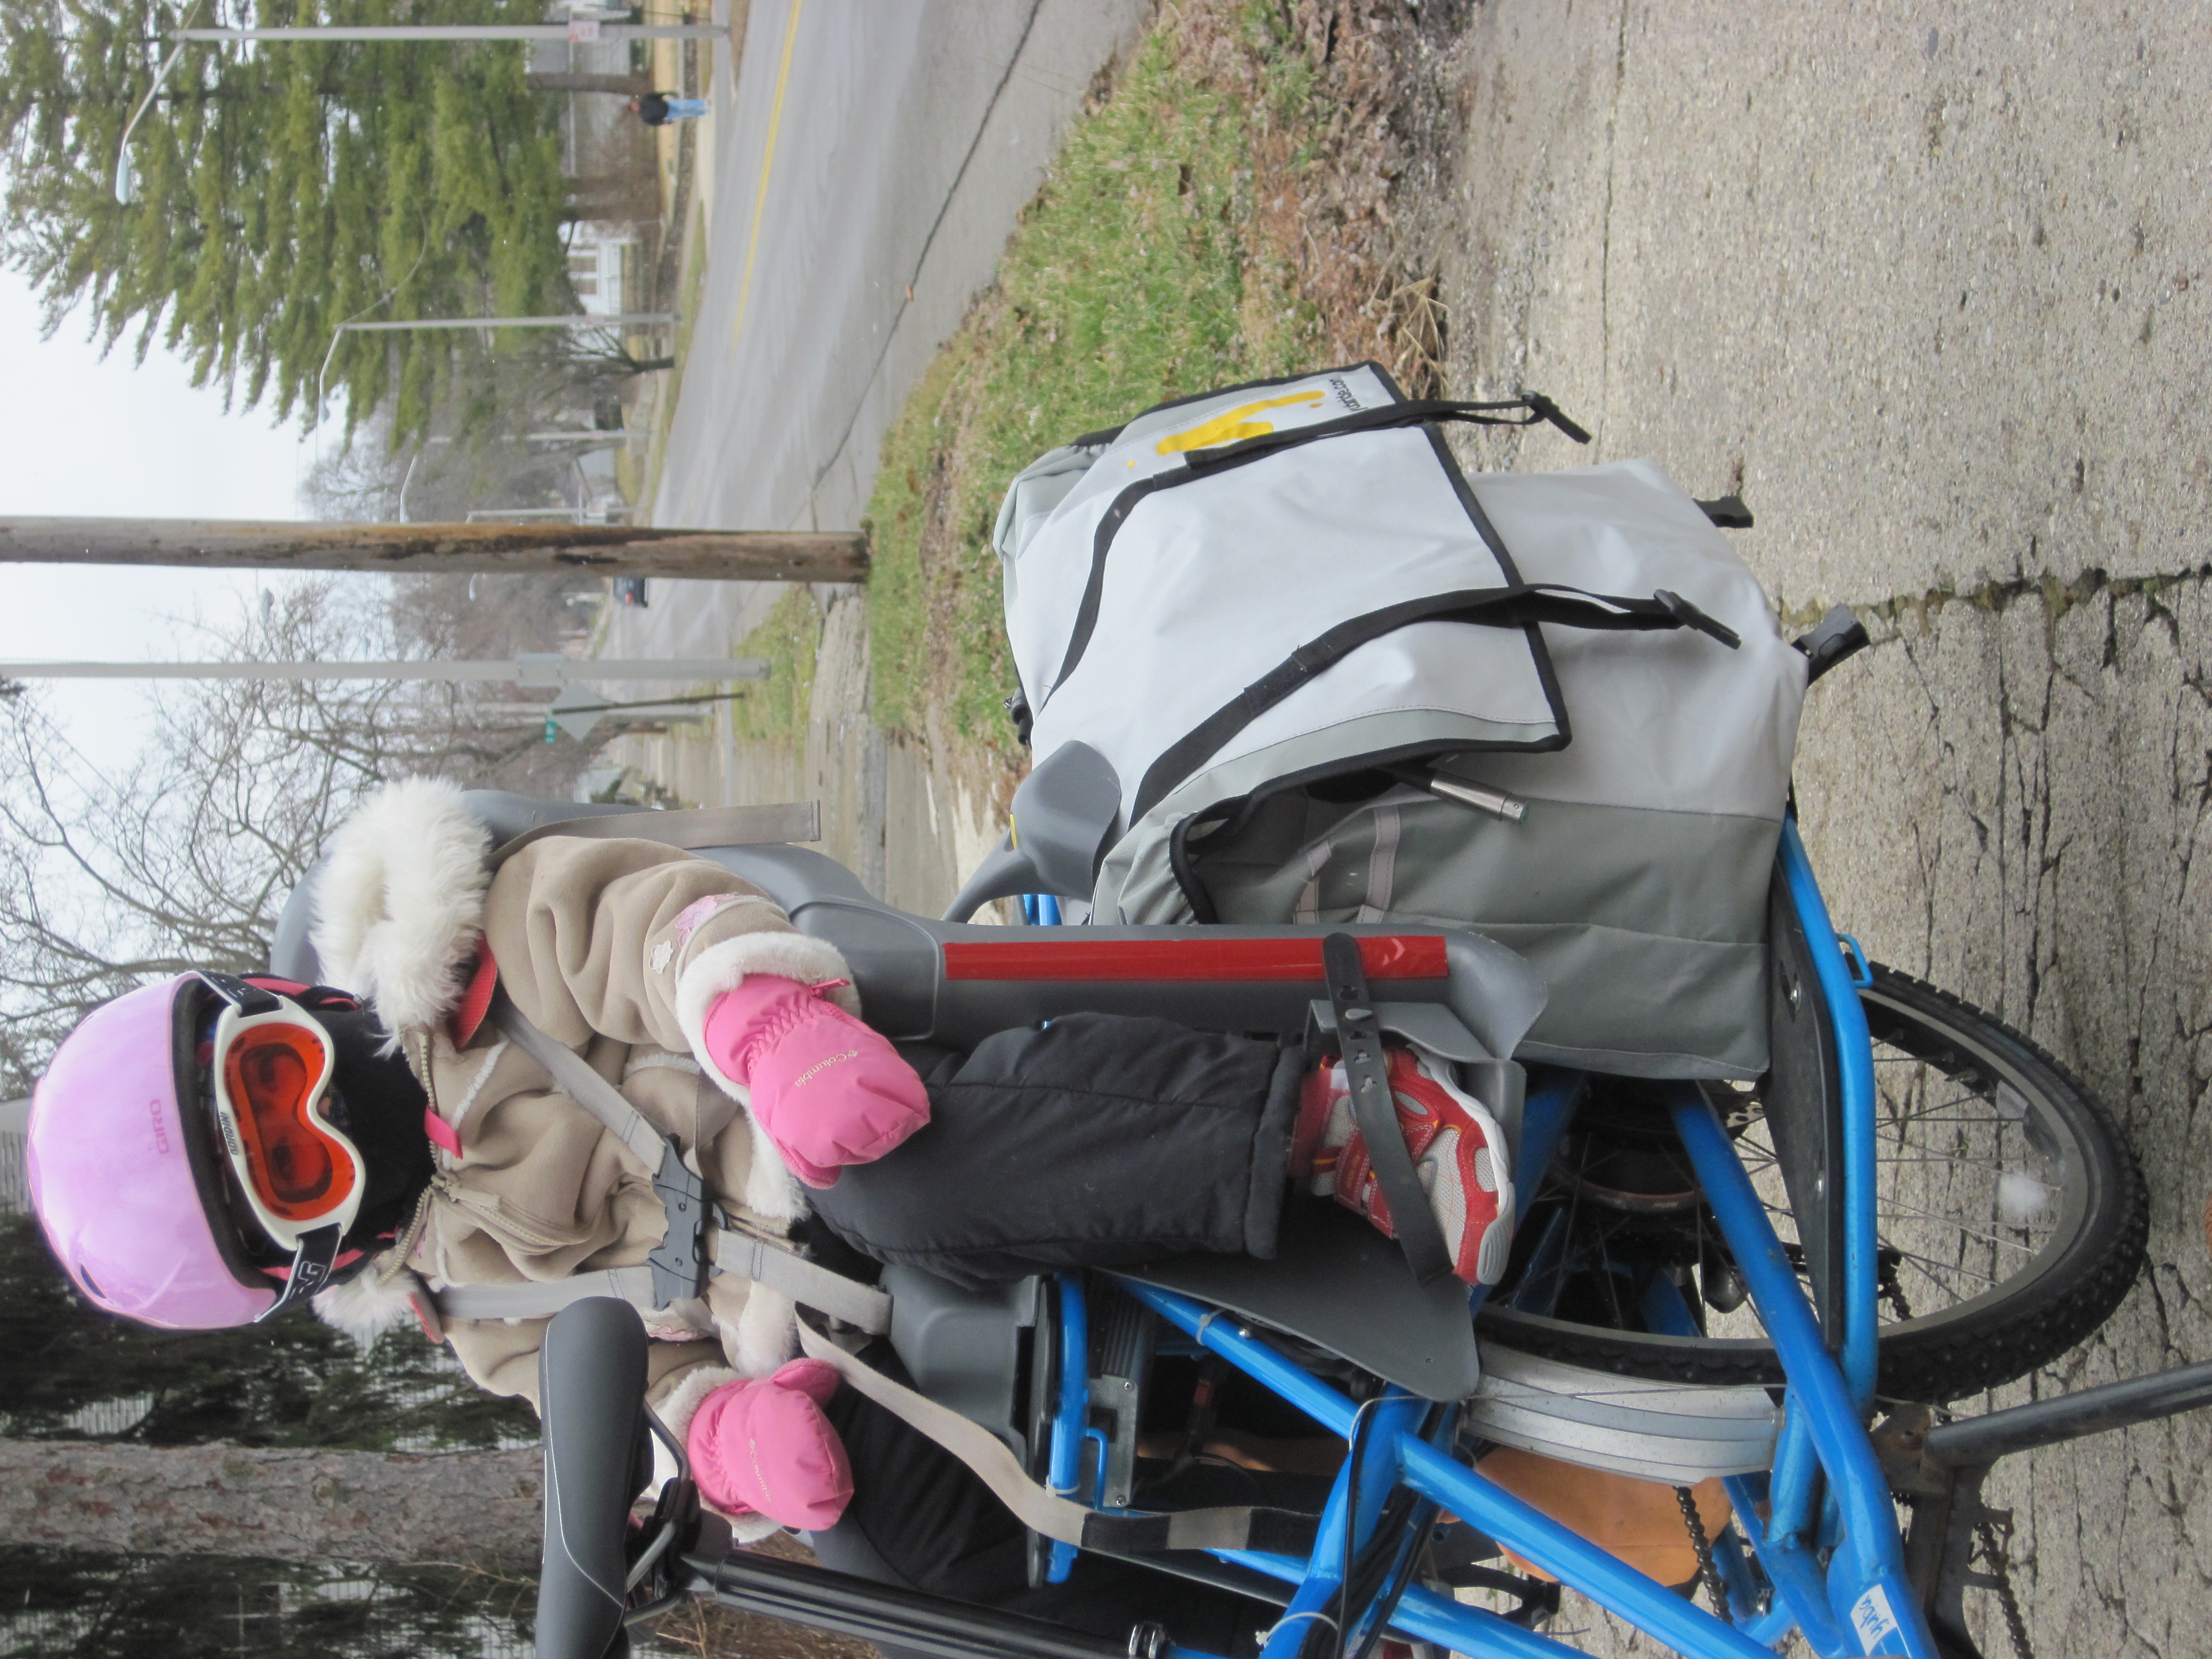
679 1265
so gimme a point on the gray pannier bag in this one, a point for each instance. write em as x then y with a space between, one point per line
1334 679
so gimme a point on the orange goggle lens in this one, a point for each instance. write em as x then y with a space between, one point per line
298 1170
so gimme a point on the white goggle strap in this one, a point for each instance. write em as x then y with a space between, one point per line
247 999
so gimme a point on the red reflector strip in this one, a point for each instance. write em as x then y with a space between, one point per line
1386 955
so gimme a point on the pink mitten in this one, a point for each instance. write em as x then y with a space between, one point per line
764 1448
826 1089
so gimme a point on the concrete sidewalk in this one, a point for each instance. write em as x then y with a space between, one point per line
1927 284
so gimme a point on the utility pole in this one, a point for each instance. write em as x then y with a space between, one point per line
771 555
566 320
573 709
546 668
580 29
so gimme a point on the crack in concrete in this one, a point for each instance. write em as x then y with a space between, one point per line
1999 595
1605 244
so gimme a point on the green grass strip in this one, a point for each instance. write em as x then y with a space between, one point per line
1129 282
774 710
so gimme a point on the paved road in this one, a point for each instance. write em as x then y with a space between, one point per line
894 144
1928 282
867 162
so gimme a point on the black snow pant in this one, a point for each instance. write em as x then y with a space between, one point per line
1093 1141
921 1520
1096 1140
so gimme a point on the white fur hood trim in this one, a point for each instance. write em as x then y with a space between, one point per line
398 904
369 1303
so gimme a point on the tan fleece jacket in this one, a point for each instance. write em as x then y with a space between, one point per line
617 949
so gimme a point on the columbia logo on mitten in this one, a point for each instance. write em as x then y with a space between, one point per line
820 1066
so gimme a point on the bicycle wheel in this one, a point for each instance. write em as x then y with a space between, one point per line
2012 1217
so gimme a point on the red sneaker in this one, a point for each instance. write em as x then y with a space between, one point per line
1458 1153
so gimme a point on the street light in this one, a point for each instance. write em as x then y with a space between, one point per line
126 182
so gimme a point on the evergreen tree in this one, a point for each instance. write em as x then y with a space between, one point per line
283 188
294 1382
58 1604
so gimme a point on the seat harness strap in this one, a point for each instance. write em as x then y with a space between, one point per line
679 1267
1374 1108
1279 1532
764 1261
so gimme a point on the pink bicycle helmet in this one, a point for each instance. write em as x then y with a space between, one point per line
125 1174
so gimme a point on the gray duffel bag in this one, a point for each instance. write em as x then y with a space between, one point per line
1334 679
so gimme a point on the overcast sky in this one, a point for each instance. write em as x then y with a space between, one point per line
83 436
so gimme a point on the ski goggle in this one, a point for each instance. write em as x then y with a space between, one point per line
268 1074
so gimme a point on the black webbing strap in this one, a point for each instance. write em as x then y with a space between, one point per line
1535 410
1055 1515
1533 406
1492 607
1375 1109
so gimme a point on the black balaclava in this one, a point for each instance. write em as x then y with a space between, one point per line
376 1101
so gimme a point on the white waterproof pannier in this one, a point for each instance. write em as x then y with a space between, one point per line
1338 680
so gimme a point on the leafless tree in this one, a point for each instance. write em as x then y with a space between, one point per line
184 857
486 446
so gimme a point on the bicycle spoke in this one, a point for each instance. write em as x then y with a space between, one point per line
1943 1105
1929 1261
1951 1163
1947 1221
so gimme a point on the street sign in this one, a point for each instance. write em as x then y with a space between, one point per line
575 721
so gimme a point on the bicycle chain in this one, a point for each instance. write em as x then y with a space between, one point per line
2000 1565
1708 1569
1886 1276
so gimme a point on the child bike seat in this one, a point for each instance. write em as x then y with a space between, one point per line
1336 1282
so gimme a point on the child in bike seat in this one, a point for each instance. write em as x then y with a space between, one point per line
206 1150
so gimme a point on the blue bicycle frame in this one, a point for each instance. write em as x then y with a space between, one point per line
1827 1560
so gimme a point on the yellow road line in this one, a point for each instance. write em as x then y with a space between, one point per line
767 160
